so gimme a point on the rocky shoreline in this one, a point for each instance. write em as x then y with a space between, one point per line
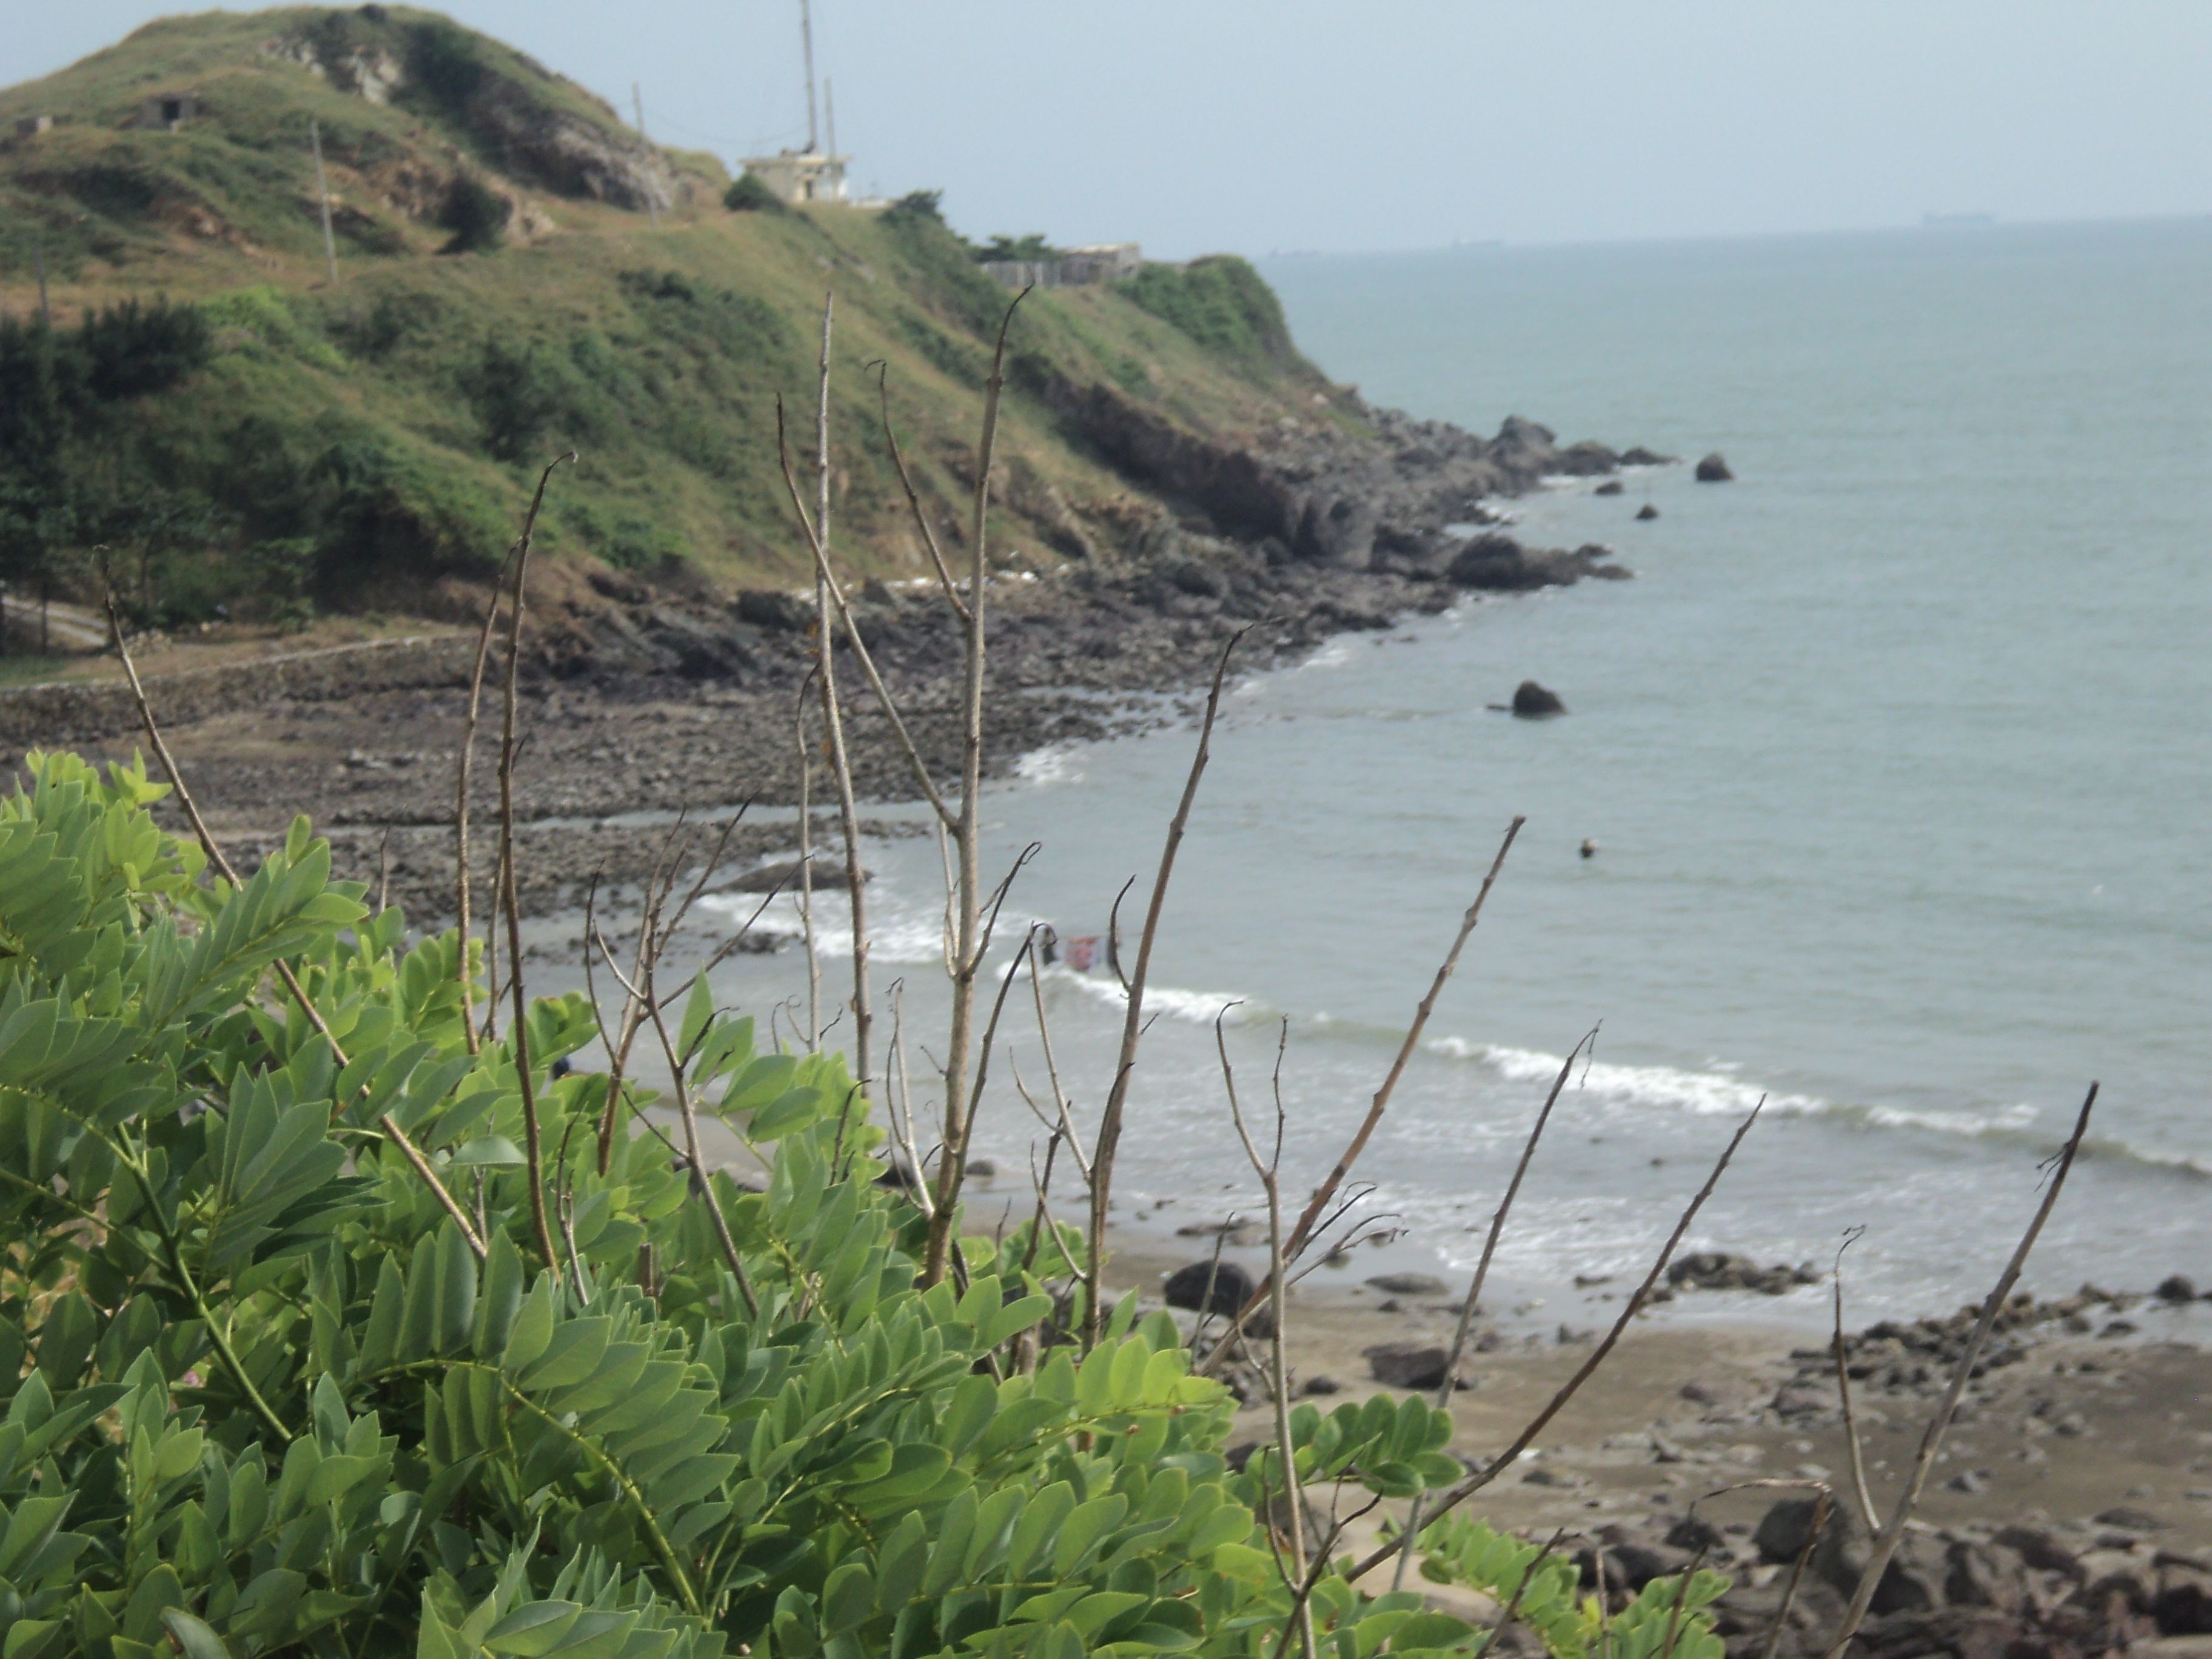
641 702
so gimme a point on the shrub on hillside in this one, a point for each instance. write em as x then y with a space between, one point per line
1221 302
747 194
518 393
1031 247
916 207
476 214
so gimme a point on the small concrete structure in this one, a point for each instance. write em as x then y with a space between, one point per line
1079 267
169 111
30 126
800 176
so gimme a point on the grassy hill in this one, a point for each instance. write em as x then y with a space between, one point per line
518 274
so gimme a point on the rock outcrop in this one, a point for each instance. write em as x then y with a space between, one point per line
1714 469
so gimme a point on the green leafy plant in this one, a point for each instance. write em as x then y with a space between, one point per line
265 1392
747 194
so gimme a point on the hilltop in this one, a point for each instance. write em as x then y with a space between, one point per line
520 273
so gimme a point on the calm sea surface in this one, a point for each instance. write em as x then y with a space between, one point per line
1896 755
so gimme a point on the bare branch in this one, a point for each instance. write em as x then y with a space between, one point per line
1852 1446
1885 1541
533 1153
1109 1122
1481 1274
1474 1483
913 500
461 919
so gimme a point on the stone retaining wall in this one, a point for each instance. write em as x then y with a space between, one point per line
76 711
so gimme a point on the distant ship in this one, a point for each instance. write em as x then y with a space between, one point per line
1956 220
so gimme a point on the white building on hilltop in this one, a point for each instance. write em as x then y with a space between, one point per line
812 174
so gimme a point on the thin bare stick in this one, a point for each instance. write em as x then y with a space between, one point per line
1886 1541
953 1172
1110 1119
701 1182
1682 1601
833 717
1482 1273
383 870
1456 1495
1382 1101
967 837
462 976
1513 1601
397 1136
826 582
1852 1446
1303 1233
914 501
1268 1170
902 1103
533 1152
1797 1574
806 872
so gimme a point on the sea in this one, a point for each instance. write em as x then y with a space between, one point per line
1895 762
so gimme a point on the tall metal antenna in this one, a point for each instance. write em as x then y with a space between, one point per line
807 38
323 196
829 113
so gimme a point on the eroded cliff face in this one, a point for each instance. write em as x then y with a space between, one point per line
529 138
1379 489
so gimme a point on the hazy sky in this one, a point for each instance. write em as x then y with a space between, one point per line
1268 124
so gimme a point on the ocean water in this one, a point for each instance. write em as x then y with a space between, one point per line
1895 755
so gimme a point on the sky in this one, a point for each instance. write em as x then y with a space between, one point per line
1276 125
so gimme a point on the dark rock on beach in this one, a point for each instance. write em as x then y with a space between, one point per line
1407 1364
1611 487
1716 1270
1647 512
1533 701
1215 1287
1714 469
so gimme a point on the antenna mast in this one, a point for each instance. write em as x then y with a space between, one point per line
829 113
806 39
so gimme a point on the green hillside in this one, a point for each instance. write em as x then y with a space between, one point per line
518 274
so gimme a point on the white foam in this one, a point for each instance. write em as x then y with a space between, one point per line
1049 766
1193 1007
1718 1092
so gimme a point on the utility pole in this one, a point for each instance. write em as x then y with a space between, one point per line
46 316
323 196
829 113
637 100
806 39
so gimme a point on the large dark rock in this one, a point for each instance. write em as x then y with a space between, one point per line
1495 562
1714 469
1215 1287
1611 487
1533 701
1407 1364
1639 456
773 608
1647 512
1585 461
823 875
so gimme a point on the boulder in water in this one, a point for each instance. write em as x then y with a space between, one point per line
1647 511
1533 701
1611 487
1714 469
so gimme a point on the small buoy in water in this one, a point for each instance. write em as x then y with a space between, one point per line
1589 848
